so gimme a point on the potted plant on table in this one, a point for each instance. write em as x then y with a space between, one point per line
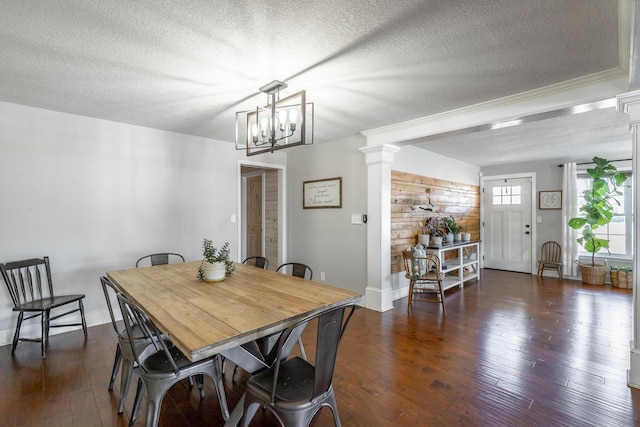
432 227
216 264
454 232
596 212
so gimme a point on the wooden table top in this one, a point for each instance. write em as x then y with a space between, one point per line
203 318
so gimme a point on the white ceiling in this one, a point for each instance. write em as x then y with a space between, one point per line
187 66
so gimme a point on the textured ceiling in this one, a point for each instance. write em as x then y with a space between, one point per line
187 66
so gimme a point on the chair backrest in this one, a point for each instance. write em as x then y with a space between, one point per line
331 327
160 258
109 288
551 251
134 315
419 267
296 269
28 280
257 261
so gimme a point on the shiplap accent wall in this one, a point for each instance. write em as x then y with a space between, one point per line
448 197
271 218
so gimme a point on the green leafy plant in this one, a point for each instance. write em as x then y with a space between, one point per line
451 225
432 226
597 210
213 254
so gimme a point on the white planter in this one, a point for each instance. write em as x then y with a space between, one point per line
424 239
213 272
436 241
466 237
448 238
457 237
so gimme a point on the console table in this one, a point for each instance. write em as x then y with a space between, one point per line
463 264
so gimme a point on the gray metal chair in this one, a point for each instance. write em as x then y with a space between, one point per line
294 390
296 269
165 367
124 355
160 258
31 289
257 261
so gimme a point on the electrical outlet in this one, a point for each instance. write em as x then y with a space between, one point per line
322 277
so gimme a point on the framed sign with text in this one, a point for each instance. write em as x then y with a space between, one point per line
550 199
322 193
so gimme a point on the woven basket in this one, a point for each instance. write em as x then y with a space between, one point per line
622 279
593 274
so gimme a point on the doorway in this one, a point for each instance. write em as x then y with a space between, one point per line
507 229
261 208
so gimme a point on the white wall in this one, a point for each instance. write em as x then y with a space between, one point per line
325 239
96 195
425 163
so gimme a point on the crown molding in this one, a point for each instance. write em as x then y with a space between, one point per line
585 89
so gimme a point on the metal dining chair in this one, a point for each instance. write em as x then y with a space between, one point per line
124 355
160 258
296 269
165 367
31 289
294 390
257 261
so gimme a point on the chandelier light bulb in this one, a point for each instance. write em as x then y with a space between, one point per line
293 118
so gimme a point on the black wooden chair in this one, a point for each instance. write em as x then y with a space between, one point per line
31 289
294 389
160 258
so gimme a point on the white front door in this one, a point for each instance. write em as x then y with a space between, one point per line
507 227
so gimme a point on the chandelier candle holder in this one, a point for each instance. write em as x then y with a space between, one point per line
282 123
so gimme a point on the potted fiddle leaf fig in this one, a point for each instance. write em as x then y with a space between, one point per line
216 264
596 212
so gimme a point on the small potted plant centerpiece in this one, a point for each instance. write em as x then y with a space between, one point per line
597 211
216 264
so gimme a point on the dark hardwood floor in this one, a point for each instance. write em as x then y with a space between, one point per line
514 350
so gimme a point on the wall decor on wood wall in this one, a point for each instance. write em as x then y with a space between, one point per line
322 193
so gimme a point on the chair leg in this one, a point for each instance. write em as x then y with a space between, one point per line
45 332
136 403
84 321
116 365
444 310
125 381
222 397
16 335
560 272
410 292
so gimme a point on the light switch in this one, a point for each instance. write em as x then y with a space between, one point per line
233 218
356 219
539 219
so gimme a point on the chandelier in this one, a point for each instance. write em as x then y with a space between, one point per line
282 123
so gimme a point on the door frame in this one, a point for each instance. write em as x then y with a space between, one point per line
282 203
534 225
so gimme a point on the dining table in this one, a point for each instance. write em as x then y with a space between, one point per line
234 317
203 319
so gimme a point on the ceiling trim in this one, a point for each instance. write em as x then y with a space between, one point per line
582 90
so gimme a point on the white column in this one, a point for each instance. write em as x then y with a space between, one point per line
378 293
630 104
